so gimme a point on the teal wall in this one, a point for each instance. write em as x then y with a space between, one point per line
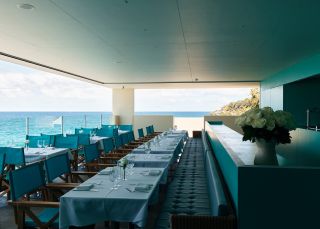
271 88
300 96
228 167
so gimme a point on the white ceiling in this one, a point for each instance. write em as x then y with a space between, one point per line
164 41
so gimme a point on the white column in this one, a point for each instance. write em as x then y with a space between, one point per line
123 104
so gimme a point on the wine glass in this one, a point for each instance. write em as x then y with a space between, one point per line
148 151
45 144
130 167
39 143
112 178
117 178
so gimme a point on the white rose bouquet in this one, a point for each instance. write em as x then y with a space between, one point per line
266 124
123 162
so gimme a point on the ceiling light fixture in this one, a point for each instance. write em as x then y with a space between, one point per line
25 6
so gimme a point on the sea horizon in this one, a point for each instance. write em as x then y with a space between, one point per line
13 123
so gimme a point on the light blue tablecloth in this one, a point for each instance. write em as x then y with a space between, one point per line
169 144
80 208
98 139
37 154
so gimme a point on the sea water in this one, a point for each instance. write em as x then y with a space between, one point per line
13 124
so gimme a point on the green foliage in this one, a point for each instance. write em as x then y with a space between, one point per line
239 107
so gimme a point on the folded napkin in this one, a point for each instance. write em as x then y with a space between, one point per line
83 187
154 172
142 187
39 152
106 171
132 157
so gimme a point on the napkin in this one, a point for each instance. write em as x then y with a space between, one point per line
106 171
132 157
154 172
84 187
143 187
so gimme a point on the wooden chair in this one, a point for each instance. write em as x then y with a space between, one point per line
22 189
69 142
59 176
93 160
4 184
14 158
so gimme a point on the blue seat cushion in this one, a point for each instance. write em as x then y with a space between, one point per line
44 216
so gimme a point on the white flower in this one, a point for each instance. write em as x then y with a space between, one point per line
123 162
259 123
266 118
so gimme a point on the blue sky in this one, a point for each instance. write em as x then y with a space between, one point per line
27 89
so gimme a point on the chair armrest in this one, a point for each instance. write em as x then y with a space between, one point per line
47 204
78 173
62 185
93 164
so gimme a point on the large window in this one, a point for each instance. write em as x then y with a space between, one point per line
187 102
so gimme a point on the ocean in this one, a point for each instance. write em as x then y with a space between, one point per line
13 124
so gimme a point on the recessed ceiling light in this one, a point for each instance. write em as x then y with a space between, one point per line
25 6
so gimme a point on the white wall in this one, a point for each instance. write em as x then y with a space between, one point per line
123 104
160 122
189 123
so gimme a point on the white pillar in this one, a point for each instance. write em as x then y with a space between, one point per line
123 104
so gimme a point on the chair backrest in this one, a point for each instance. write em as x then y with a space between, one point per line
83 139
131 136
117 142
25 180
115 132
152 129
52 137
70 142
105 132
2 163
85 130
148 130
140 133
109 126
57 166
33 140
91 152
124 138
125 127
107 144
15 156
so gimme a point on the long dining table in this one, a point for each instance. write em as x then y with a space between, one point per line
102 203
37 154
127 203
